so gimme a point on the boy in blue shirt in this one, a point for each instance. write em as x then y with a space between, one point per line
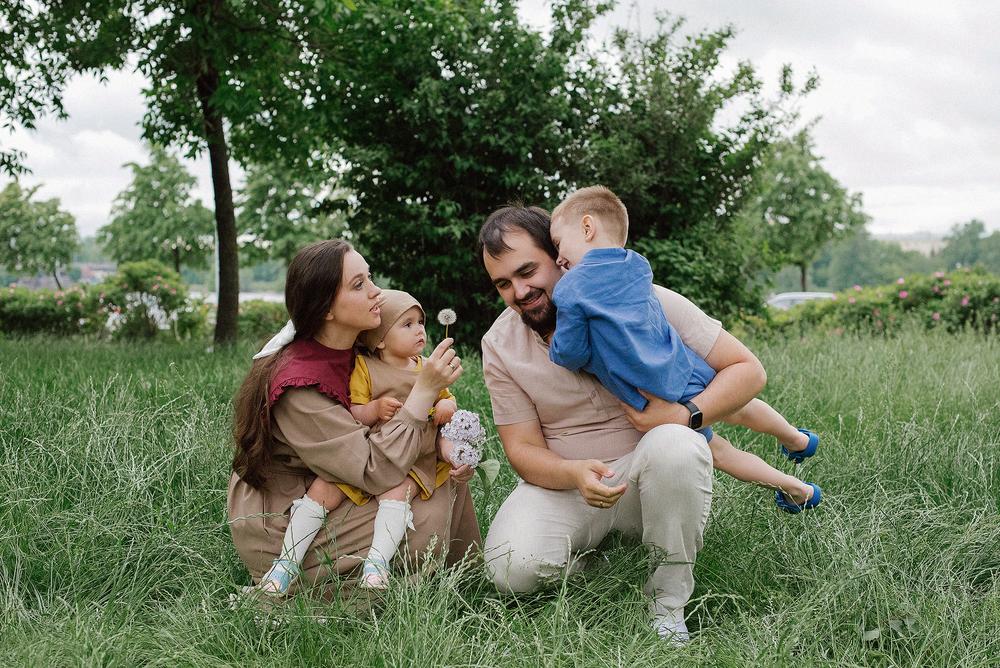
610 324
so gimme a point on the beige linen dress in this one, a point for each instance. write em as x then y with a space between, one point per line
316 436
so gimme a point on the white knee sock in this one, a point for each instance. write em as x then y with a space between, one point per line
391 522
304 522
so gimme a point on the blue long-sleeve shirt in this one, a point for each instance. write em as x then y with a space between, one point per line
610 324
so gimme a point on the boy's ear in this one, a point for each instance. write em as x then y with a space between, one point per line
381 345
589 227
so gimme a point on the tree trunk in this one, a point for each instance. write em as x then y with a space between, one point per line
802 270
55 275
177 260
227 310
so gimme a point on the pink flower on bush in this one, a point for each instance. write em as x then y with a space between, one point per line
938 274
851 300
59 302
936 290
946 282
935 316
900 280
156 286
857 288
965 301
903 294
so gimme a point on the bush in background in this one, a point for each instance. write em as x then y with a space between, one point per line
59 312
964 299
260 320
143 300
146 298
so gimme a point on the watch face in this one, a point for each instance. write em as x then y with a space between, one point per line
695 421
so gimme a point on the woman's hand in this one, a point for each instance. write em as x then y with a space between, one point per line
658 411
588 474
442 368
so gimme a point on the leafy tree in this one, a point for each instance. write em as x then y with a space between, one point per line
664 143
856 259
40 236
155 217
226 77
282 209
968 245
800 206
444 111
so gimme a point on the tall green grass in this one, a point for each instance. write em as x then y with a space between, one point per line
114 548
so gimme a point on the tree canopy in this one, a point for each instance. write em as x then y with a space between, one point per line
40 237
800 206
155 217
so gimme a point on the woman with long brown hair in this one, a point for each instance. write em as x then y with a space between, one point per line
292 424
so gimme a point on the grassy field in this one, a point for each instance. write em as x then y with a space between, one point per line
114 548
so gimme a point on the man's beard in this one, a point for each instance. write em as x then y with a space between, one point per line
541 319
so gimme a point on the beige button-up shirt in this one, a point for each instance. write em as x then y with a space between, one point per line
579 418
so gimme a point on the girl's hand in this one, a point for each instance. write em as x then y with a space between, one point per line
462 474
444 410
387 407
442 368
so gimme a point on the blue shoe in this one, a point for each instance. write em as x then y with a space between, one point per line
799 456
278 580
790 506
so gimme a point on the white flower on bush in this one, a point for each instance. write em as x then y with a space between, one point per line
141 304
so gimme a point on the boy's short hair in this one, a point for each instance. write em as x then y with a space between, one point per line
601 203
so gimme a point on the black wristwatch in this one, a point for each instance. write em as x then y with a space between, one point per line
695 420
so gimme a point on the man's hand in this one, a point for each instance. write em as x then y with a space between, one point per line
588 474
658 411
387 407
443 411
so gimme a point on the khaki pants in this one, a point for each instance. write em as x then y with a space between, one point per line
537 531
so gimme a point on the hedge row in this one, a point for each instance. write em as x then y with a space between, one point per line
964 299
142 300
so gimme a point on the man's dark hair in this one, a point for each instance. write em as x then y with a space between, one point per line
533 220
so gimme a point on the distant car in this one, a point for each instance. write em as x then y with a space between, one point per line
786 300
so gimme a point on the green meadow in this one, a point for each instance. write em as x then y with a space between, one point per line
114 547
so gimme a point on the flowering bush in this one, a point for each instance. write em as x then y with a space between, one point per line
146 298
959 300
61 312
260 320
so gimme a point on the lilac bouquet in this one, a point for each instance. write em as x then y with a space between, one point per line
468 436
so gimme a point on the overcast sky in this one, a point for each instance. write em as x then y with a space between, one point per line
909 104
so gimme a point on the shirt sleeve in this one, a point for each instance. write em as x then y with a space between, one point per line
698 331
570 345
337 448
511 404
361 383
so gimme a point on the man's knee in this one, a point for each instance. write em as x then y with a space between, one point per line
675 449
513 574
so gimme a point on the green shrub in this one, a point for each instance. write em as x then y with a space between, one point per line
965 299
60 312
144 299
260 320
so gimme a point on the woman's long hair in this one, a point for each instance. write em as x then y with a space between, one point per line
311 286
